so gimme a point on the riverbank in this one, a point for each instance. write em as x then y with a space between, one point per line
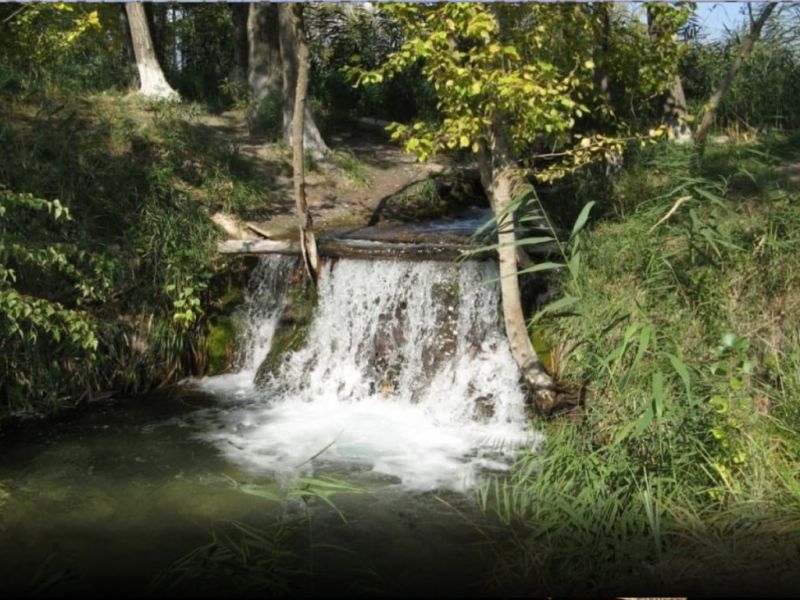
680 474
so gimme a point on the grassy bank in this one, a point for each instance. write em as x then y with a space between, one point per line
107 246
680 474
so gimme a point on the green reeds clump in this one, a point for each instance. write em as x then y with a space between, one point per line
678 475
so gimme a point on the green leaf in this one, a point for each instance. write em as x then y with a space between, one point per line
555 306
658 393
535 241
545 266
575 264
644 342
259 492
580 222
683 372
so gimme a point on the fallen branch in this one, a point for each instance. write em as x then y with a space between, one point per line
262 232
670 212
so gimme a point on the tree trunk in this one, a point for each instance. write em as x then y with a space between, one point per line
673 102
676 111
292 39
502 184
156 24
264 55
741 57
601 52
128 43
239 15
152 82
308 244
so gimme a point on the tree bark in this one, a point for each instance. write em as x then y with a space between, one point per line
293 42
152 82
601 51
676 111
502 184
308 244
673 102
128 43
156 24
240 13
744 52
264 72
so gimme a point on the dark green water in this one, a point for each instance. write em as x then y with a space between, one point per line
106 502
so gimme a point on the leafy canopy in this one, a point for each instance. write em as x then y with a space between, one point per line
531 69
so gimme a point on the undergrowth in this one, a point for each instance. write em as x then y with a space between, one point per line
130 267
679 474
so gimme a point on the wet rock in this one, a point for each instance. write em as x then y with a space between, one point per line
444 303
220 344
387 361
484 408
293 326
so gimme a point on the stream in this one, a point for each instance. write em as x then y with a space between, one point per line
404 392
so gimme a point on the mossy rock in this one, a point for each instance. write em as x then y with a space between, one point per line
293 326
220 344
230 300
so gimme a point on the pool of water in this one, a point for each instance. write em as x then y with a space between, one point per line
108 501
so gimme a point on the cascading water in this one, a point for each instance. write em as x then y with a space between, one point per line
405 372
264 302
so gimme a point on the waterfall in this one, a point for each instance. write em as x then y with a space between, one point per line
265 299
406 373
263 304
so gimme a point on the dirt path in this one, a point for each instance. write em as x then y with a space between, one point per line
334 200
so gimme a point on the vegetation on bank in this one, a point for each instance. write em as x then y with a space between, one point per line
680 472
107 283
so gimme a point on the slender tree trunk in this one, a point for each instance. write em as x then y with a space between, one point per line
292 39
264 74
744 52
502 184
308 243
152 82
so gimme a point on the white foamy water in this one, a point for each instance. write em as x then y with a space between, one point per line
406 372
264 302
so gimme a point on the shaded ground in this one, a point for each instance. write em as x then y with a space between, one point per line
394 189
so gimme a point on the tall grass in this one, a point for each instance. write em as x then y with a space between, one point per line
679 473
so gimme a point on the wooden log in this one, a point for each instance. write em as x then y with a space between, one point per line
384 249
258 246
355 249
